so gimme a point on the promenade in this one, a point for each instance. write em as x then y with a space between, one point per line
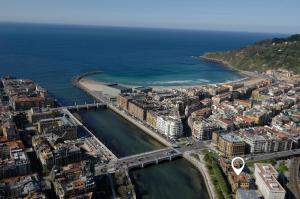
98 144
140 125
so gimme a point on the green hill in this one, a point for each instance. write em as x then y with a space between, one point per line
263 55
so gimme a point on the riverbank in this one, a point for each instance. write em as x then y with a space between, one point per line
200 165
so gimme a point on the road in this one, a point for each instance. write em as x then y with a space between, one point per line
294 181
276 155
138 160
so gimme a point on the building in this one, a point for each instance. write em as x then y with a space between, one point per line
9 130
265 140
139 108
162 95
266 181
243 103
226 124
170 126
231 145
14 161
247 194
215 138
202 130
25 94
151 118
66 153
142 89
51 154
72 180
114 90
28 186
36 114
243 181
221 98
201 113
123 100
234 86
63 127
217 89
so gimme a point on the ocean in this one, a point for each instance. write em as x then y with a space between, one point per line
53 54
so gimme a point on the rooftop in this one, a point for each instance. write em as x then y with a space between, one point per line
231 137
269 175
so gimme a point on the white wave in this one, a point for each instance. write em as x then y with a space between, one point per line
237 80
173 82
204 80
180 82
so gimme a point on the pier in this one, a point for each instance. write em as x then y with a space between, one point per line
77 78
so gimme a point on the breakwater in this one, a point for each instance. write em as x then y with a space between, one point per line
77 78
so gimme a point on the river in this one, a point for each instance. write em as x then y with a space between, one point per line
176 179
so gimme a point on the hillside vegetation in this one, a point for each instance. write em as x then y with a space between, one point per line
268 54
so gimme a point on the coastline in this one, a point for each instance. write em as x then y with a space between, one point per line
226 64
97 85
247 77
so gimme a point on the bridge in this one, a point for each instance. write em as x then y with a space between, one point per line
276 155
138 161
81 106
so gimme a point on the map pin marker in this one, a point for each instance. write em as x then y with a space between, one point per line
237 170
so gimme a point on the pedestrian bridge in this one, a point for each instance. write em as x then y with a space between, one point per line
139 160
81 106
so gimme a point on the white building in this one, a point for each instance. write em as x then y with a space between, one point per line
266 181
202 130
171 126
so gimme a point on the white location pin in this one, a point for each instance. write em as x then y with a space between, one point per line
237 170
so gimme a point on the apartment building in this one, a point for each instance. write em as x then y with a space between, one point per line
266 181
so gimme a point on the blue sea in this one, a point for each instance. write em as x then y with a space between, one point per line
53 54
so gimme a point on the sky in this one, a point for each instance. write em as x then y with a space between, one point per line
278 16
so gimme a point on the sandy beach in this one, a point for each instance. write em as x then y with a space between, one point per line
94 85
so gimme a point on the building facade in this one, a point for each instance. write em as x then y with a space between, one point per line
231 145
266 181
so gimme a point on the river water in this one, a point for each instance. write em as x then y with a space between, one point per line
176 179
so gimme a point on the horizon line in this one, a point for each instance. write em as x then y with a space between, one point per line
142 27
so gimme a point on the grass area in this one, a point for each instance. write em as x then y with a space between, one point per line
123 187
196 156
282 168
222 188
